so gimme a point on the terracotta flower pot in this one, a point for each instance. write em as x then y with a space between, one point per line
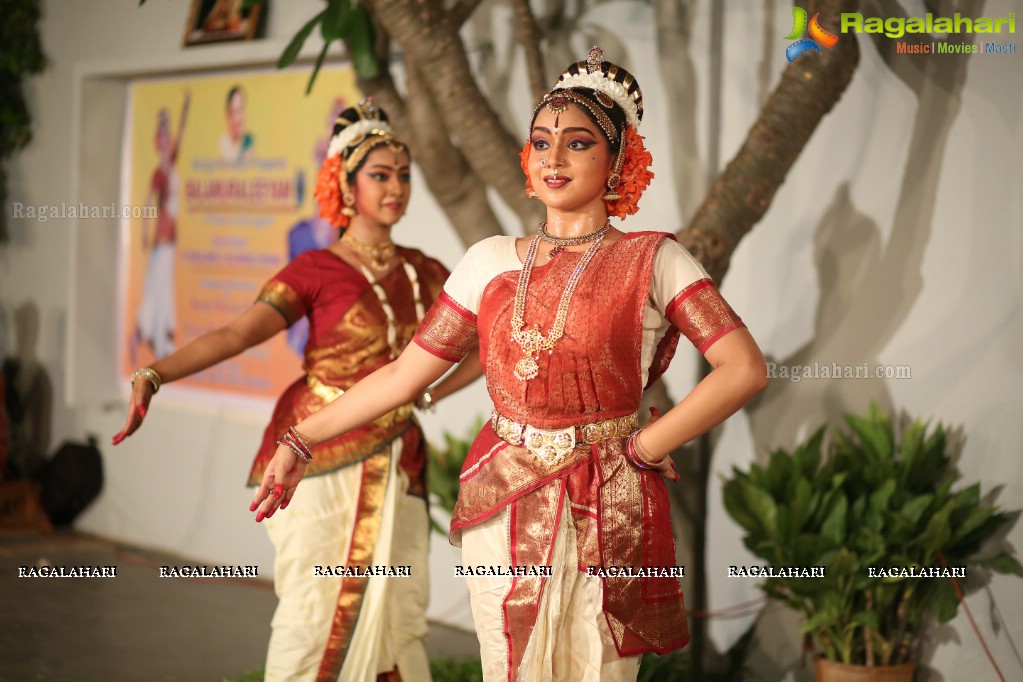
832 671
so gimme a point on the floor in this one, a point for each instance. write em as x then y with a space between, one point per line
136 627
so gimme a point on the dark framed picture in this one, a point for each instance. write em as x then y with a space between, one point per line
214 21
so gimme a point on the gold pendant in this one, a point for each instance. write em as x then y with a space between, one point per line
526 369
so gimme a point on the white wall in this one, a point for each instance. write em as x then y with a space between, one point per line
855 261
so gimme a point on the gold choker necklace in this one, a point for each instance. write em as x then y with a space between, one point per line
379 255
561 242
532 341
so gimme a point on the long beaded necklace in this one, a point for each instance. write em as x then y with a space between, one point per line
392 323
532 341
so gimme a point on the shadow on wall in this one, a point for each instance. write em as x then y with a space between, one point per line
29 396
867 289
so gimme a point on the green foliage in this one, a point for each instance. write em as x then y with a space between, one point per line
447 669
21 54
444 465
882 500
341 21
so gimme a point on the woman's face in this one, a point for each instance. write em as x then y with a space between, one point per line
382 185
570 159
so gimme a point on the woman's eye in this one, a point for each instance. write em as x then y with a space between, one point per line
540 144
581 144
405 177
379 177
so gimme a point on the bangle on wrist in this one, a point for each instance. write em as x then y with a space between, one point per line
638 454
426 402
150 375
294 441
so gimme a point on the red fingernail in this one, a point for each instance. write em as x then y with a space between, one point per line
117 439
284 505
252 507
259 517
142 411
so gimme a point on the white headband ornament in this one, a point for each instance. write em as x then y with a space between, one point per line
352 134
597 80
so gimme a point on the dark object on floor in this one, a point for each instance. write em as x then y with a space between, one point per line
71 480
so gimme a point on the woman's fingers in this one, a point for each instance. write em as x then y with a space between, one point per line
141 393
131 423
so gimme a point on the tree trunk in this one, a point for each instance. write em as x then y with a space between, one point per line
430 42
809 88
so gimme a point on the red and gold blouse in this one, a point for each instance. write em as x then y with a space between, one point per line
633 301
347 341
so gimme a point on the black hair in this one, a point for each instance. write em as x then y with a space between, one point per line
235 90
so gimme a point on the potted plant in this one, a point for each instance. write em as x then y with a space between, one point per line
880 515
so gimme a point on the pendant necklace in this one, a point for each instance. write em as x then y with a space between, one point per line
532 341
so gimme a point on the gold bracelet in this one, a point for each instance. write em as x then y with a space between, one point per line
150 375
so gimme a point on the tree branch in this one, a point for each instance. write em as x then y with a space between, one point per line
529 35
808 90
437 50
461 11
457 189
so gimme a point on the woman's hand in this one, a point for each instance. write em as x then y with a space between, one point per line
141 393
280 480
666 466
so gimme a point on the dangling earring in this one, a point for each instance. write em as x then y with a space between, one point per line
349 201
347 198
612 184
531 193
615 177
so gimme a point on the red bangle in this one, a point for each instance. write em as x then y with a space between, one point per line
633 453
296 444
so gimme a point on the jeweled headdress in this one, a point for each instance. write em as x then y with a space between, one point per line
612 98
357 131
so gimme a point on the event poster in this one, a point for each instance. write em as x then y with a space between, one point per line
229 164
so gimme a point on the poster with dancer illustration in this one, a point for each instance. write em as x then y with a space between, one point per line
228 162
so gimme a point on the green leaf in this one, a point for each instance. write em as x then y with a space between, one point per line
800 506
336 22
833 528
779 472
874 433
316 68
943 601
914 508
295 46
361 44
1003 563
937 533
762 506
808 455
736 507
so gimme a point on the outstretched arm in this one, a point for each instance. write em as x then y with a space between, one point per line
392 385
176 144
254 326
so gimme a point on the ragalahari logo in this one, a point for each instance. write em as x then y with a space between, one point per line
818 36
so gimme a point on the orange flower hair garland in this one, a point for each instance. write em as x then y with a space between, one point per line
328 191
635 176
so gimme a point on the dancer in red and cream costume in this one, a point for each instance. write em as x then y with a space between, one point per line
572 325
365 501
